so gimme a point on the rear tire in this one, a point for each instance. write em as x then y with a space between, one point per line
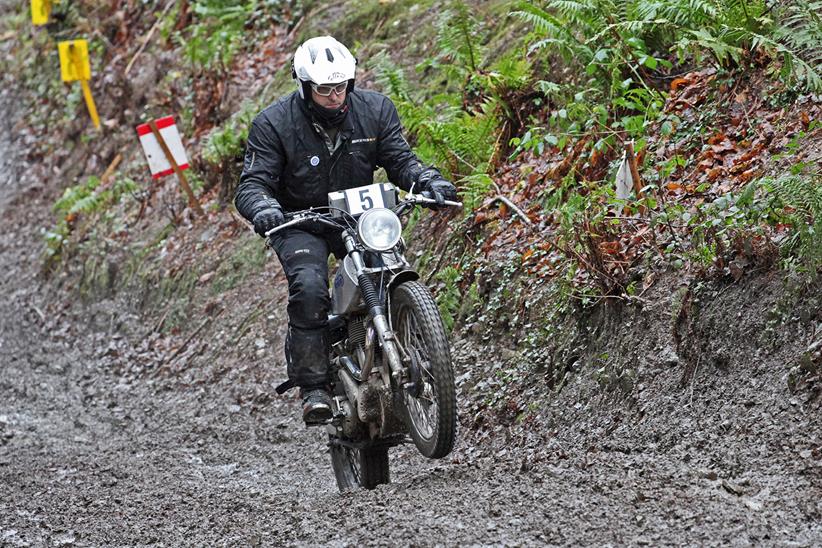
431 414
359 468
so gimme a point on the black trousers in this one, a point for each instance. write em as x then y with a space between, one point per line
304 258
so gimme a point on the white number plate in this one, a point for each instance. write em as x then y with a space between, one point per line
355 201
363 198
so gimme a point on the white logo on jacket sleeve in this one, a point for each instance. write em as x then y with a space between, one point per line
315 161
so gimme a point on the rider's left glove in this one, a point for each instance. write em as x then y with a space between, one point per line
442 190
433 185
268 218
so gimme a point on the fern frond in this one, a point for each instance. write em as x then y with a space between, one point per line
557 33
634 27
720 48
458 37
795 68
573 11
686 13
542 21
804 195
800 35
801 193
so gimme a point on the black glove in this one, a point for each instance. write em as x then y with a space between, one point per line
267 219
434 186
442 190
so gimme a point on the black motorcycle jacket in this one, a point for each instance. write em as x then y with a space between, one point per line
287 158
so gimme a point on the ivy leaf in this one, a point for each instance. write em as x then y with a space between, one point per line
648 61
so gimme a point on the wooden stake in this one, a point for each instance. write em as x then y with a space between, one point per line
192 201
111 167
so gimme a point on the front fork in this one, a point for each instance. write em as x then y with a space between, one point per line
388 342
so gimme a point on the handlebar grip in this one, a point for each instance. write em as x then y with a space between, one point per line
284 225
420 199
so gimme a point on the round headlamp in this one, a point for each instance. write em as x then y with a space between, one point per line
379 229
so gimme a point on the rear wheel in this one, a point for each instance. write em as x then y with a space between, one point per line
430 401
357 468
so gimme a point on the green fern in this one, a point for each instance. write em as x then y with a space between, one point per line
556 33
725 29
449 296
445 135
78 199
799 36
803 195
458 38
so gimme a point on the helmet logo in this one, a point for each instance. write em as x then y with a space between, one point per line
336 77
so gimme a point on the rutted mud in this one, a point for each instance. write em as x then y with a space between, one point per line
90 456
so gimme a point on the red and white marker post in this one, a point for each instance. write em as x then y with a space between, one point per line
166 155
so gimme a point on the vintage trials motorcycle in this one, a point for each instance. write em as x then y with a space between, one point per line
390 362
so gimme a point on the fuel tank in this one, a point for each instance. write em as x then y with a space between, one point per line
345 290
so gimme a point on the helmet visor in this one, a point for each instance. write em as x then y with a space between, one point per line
324 90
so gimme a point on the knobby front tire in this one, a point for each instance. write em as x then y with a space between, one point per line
431 414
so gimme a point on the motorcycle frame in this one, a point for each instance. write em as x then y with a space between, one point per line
380 318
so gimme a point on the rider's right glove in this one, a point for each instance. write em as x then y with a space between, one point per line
268 218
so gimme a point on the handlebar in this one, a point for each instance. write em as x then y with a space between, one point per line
300 217
420 199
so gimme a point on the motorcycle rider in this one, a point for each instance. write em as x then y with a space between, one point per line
324 137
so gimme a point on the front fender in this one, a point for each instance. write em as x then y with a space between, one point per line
399 278
402 277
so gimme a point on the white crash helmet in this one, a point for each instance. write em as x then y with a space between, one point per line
322 60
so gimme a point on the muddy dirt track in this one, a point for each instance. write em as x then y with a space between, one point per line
89 457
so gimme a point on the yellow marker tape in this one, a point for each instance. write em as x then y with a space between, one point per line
74 63
40 11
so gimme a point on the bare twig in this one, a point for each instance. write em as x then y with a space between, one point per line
513 207
160 323
39 313
693 380
148 38
499 197
497 143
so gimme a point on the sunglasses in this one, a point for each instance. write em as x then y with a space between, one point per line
324 90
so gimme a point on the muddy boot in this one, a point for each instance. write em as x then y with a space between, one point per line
316 406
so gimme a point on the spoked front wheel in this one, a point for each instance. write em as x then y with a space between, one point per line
357 468
430 398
